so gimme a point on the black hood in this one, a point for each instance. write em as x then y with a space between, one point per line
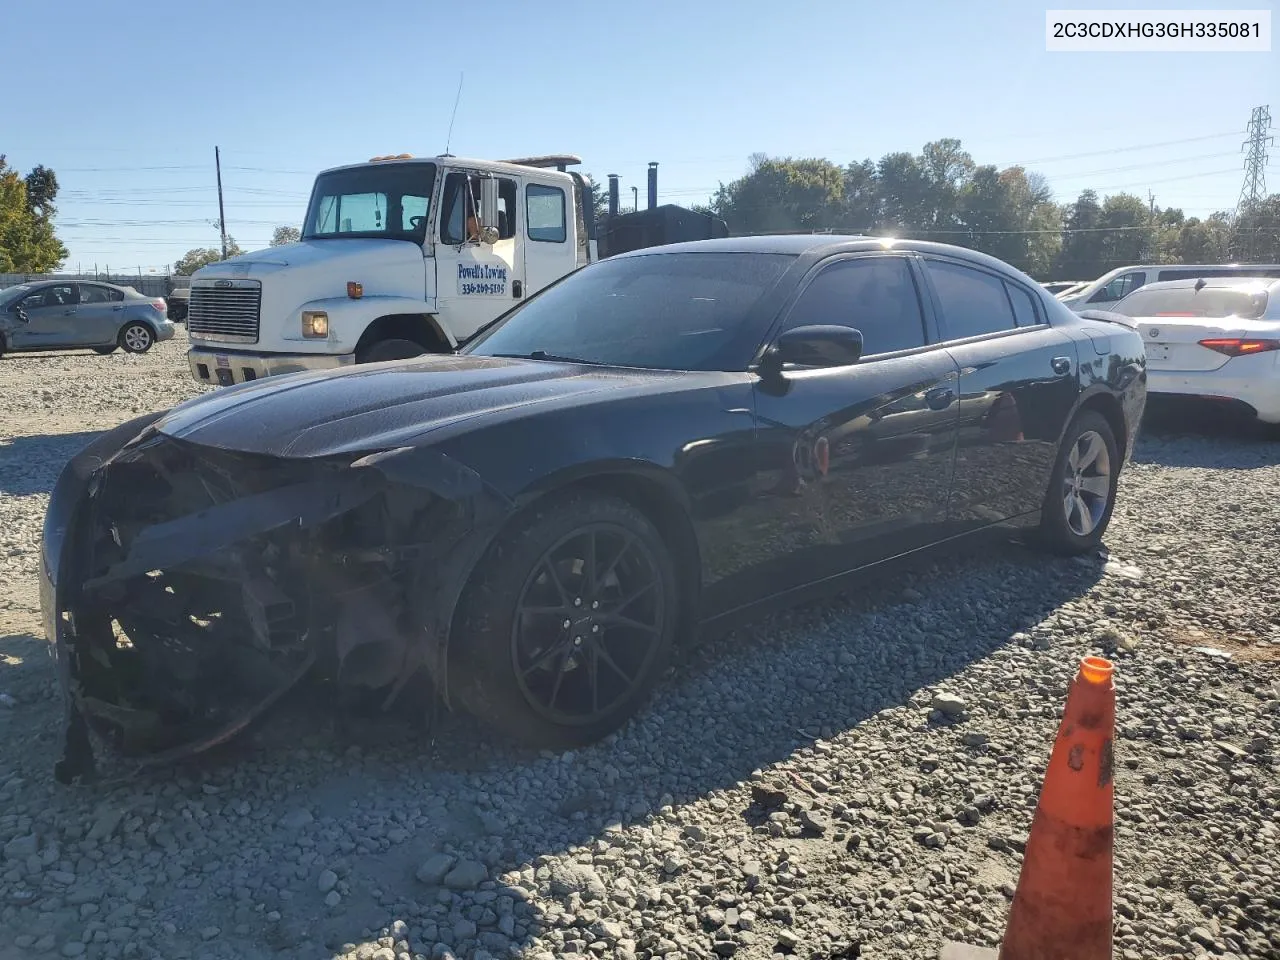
376 406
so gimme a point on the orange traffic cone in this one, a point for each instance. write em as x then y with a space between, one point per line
1062 907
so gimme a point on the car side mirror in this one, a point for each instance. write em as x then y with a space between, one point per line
488 209
818 345
21 315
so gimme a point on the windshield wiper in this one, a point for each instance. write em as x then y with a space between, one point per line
543 355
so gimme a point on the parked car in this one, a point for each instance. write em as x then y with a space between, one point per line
179 301
1059 287
1114 286
1071 290
1212 339
667 439
71 315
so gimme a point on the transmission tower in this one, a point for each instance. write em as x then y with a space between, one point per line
1243 241
1255 164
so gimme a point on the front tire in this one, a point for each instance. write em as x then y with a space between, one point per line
567 623
136 338
1082 489
390 350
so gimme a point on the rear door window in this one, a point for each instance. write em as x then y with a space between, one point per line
1025 310
973 302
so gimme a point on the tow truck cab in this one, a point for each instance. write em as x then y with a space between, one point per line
398 257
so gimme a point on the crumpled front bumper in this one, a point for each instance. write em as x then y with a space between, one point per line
176 620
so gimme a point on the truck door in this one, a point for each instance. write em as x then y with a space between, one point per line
476 282
550 250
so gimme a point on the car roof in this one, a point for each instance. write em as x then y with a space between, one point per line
822 245
63 281
1249 284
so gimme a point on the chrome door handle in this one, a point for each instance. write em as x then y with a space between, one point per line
1061 365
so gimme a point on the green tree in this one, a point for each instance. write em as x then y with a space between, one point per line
283 235
1082 256
1256 235
782 195
1129 235
199 257
28 243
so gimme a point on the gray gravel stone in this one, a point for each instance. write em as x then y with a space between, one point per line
467 875
721 777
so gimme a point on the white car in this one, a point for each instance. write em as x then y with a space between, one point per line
1216 339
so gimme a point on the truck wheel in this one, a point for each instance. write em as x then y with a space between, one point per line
390 350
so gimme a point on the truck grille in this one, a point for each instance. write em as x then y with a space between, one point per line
226 313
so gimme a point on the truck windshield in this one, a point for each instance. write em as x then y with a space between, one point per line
668 311
383 200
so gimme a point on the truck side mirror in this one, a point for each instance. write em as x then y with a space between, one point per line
488 209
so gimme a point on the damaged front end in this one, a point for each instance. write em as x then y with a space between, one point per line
186 588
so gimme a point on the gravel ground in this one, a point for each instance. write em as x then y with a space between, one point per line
872 805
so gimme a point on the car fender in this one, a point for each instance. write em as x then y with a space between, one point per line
349 318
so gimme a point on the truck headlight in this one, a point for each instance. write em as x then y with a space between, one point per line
315 324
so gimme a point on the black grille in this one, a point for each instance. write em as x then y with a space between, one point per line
229 314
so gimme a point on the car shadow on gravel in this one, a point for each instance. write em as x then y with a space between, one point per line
403 796
31 465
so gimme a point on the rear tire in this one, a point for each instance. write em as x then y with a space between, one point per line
390 350
590 561
1082 488
136 338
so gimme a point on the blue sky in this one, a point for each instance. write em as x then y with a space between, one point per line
133 99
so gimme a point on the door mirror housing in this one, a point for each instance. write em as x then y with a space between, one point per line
488 209
819 345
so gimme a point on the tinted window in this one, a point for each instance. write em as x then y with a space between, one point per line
545 213
1215 302
378 200
973 302
674 311
1024 307
876 295
1120 287
55 296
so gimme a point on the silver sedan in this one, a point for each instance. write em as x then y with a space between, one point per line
71 315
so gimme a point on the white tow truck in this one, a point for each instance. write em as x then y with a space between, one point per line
399 256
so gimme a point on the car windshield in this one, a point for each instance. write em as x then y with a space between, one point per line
15 293
385 200
670 311
1207 302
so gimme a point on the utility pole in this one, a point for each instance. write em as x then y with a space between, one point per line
222 217
1151 226
635 199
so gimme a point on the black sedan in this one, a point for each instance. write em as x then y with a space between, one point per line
659 442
